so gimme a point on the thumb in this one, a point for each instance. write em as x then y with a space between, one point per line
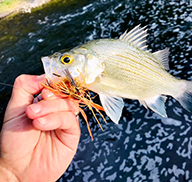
24 88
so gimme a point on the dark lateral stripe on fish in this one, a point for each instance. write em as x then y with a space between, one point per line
151 73
141 64
156 65
137 52
144 73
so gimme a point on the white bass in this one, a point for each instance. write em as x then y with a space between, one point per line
122 68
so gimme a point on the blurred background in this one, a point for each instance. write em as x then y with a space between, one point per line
144 146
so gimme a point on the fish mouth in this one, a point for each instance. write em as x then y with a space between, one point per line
47 67
52 70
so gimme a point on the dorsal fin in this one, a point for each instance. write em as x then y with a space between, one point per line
163 57
136 36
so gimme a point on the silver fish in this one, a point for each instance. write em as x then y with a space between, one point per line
122 68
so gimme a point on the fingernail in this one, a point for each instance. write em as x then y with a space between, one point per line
46 94
42 121
35 108
49 94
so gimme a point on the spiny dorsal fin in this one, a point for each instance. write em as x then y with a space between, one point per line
136 36
163 57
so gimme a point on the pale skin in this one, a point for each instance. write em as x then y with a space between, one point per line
38 140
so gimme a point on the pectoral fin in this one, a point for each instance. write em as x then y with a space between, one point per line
113 106
157 104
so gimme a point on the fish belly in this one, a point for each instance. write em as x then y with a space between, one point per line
131 86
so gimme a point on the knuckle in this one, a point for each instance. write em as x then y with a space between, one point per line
20 79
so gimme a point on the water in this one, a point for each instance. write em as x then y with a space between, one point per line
144 147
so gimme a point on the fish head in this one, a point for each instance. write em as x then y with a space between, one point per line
55 64
79 61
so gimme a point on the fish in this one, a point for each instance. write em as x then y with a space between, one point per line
122 68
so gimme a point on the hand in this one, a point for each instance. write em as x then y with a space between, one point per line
38 141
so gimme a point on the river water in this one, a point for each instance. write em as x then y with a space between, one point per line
144 147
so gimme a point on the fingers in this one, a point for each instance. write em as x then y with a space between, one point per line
50 106
47 94
65 125
44 95
54 114
24 88
59 120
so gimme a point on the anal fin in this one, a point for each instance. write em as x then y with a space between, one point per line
156 104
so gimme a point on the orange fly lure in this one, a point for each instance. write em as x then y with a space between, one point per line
77 90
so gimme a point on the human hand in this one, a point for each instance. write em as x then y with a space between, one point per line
38 141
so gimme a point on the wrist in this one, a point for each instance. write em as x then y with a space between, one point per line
6 175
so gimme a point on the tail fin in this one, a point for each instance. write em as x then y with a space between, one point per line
185 95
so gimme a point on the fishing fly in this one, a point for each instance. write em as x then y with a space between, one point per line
67 86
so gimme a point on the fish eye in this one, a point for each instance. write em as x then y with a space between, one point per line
66 59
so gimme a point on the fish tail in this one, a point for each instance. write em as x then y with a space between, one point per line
184 96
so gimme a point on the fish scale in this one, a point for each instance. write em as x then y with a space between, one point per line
135 73
123 68
130 58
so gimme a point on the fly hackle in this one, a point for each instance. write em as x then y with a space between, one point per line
76 89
